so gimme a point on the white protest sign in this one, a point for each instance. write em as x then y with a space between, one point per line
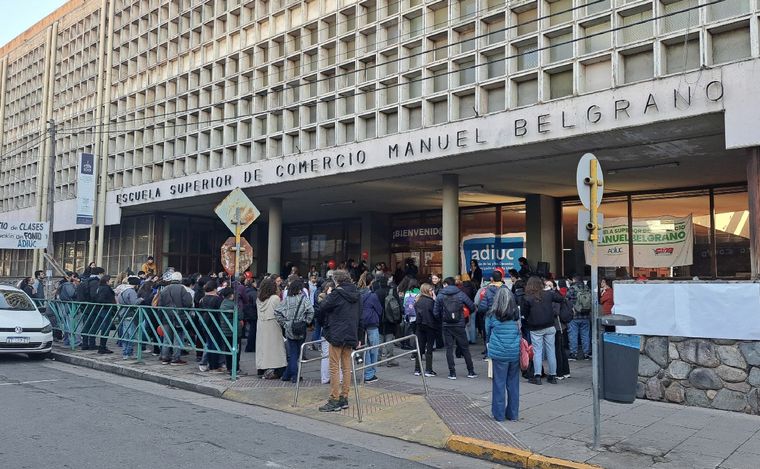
23 235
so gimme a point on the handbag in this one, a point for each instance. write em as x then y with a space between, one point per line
526 354
298 328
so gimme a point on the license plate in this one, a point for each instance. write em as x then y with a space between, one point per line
17 340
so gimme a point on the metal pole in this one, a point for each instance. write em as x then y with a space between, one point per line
298 374
50 250
235 277
593 236
356 386
419 360
139 333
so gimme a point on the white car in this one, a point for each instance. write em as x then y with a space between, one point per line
23 329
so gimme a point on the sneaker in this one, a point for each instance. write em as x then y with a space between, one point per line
552 379
560 378
391 364
430 374
472 375
370 380
203 368
125 357
104 351
154 354
165 362
535 380
417 373
573 357
221 369
565 376
452 376
343 401
333 405
178 362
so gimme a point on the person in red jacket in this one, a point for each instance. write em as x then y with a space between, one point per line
606 300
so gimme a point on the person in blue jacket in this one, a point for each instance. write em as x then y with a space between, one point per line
504 351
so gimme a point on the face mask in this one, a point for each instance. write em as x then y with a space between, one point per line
547 287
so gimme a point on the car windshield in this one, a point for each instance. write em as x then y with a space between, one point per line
15 301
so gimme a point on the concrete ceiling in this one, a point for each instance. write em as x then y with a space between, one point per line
506 175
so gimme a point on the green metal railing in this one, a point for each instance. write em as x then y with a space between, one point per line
190 329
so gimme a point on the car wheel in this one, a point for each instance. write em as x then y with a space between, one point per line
39 356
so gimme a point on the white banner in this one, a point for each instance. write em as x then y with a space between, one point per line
23 235
657 242
86 183
709 310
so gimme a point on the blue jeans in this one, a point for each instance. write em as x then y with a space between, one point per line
543 344
583 326
294 350
172 343
472 330
317 330
370 357
506 377
129 329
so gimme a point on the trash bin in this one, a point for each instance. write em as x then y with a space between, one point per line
620 360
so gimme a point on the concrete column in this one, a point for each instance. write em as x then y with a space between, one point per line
450 225
274 244
542 225
753 194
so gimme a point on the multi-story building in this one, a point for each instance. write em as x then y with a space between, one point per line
383 129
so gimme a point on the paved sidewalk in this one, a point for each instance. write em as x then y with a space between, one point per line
555 420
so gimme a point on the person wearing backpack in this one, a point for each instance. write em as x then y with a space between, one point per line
487 298
449 306
391 319
410 289
86 293
294 314
538 311
372 314
579 296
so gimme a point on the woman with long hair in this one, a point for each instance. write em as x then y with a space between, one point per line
538 310
503 334
294 309
428 327
270 345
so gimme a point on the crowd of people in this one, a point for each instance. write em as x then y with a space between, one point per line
350 306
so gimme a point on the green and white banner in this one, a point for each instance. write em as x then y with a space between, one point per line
657 242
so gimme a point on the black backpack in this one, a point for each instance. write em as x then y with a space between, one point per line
392 310
453 312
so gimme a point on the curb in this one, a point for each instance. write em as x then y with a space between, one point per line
508 455
137 374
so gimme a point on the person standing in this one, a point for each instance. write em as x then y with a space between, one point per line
293 314
270 350
174 295
341 324
67 291
87 293
428 328
579 296
525 270
324 364
606 298
250 314
105 298
372 313
538 310
449 305
475 273
226 309
129 298
392 317
503 332
149 267
210 304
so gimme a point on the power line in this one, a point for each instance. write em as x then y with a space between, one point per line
354 93
375 66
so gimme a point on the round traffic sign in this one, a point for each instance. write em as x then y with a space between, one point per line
583 177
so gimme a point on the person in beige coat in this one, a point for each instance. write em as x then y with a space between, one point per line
270 344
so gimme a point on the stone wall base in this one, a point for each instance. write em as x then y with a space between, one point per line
713 373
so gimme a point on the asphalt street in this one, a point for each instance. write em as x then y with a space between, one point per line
57 415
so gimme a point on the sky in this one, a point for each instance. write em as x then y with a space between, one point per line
18 15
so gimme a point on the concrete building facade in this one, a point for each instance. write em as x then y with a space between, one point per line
382 129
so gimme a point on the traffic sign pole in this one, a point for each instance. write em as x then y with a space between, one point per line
593 184
236 277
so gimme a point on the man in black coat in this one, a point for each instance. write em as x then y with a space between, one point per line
340 316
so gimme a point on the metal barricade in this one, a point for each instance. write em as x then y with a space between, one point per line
149 326
301 361
364 350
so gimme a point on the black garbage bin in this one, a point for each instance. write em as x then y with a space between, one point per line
620 358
